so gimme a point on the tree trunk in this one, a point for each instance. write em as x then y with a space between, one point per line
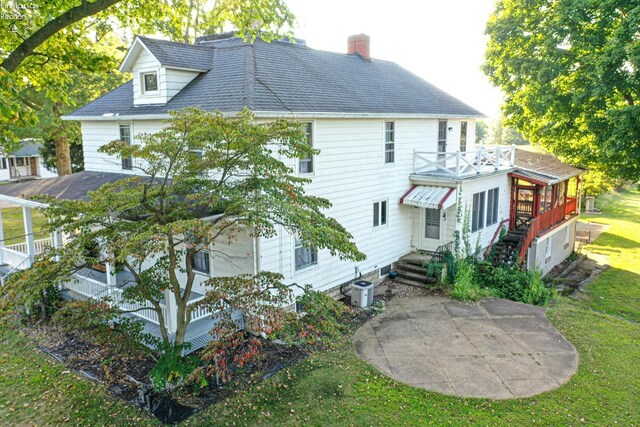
63 157
63 153
29 45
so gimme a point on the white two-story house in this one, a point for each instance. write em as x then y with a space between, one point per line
397 157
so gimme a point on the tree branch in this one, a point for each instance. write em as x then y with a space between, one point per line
71 16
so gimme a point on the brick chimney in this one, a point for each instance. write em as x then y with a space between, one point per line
359 43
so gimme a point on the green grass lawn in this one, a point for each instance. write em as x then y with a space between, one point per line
14 225
337 388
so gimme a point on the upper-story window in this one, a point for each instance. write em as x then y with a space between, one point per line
463 137
200 262
125 135
389 142
149 82
442 137
306 165
3 163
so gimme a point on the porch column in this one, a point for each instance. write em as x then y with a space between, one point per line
171 315
109 277
28 231
1 236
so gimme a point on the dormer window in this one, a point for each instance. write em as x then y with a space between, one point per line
149 82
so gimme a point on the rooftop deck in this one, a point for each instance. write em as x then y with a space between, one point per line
460 165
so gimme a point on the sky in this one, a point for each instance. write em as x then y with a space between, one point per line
441 41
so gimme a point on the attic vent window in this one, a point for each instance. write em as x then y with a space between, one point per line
150 82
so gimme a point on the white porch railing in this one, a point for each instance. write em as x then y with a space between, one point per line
200 312
462 164
95 289
40 246
14 258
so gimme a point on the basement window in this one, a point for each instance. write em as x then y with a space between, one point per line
384 271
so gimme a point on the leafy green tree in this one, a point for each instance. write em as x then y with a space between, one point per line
569 71
207 179
45 45
482 131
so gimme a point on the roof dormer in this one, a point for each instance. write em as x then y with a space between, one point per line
162 68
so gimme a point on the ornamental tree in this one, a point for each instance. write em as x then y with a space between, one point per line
204 180
570 75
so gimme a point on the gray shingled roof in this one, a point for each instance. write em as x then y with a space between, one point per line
71 187
29 148
181 55
543 167
285 77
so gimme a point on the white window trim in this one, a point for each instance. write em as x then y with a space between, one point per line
386 224
141 74
384 142
313 156
293 259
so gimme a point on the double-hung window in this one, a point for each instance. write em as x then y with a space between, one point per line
492 206
478 209
305 165
380 213
305 255
442 138
463 137
389 142
125 135
200 262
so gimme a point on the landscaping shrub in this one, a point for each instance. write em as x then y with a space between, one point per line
103 325
172 370
465 287
514 283
323 321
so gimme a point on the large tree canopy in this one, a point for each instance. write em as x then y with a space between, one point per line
208 181
570 72
52 48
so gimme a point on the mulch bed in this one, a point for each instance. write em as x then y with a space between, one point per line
128 378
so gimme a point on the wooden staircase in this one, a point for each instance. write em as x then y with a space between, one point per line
504 251
412 271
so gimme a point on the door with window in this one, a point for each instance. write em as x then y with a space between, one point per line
430 236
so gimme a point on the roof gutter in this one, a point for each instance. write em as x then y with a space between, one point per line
283 115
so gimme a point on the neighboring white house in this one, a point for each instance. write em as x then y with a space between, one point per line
24 163
397 156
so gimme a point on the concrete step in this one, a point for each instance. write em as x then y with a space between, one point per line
415 259
412 282
413 268
416 277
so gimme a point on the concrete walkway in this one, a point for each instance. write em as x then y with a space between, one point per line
495 349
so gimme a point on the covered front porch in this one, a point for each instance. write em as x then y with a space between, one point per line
101 281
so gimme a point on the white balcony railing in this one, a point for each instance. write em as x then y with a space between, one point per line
464 164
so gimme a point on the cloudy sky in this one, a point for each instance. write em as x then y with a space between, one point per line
441 41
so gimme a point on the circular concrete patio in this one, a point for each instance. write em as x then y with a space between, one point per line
495 349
